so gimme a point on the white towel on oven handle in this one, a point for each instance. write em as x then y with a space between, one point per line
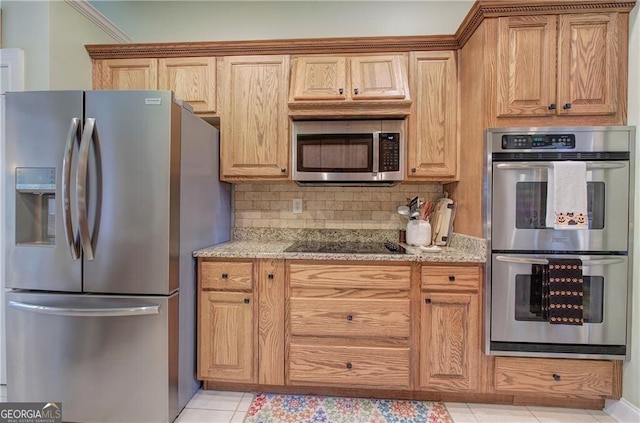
567 195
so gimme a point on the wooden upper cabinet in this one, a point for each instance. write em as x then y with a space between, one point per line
565 65
526 65
377 78
128 74
319 78
192 79
588 75
432 145
254 132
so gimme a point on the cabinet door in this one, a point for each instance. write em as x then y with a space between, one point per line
432 145
526 66
449 345
255 125
319 78
129 74
377 77
226 334
588 64
192 79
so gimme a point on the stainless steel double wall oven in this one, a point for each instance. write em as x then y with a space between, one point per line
521 241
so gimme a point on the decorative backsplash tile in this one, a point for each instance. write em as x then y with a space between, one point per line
270 205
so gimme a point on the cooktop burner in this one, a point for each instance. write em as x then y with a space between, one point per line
386 247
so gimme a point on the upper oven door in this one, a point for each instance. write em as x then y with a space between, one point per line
519 207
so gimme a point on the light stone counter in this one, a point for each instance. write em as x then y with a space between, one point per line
458 253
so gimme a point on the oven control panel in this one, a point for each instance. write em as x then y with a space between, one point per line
546 141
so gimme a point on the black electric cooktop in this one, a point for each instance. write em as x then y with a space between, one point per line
385 247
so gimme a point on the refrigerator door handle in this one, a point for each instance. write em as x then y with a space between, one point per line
87 312
81 187
72 238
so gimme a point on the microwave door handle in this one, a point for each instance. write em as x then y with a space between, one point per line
590 165
527 260
376 152
72 238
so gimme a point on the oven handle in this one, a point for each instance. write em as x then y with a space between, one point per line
590 165
527 260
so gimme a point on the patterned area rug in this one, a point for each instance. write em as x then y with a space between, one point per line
277 408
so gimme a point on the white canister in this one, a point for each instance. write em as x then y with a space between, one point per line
418 232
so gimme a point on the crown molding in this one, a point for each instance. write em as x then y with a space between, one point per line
479 11
98 19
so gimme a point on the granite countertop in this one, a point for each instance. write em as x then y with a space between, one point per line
462 250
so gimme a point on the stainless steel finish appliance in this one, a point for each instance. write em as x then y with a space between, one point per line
520 240
107 195
348 152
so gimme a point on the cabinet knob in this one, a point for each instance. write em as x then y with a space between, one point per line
553 106
270 276
413 170
349 317
225 276
556 377
247 301
427 300
452 278
356 91
566 106
341 91
283 169
349 366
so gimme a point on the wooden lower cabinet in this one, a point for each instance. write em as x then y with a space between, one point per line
349 325
370 328
450 330
349 366
566 377
226 336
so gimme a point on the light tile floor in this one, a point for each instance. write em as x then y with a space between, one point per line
231 407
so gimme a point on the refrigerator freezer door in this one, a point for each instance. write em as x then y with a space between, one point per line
107 359
40 241
133 192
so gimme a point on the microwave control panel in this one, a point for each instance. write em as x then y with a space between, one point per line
546 141
389 152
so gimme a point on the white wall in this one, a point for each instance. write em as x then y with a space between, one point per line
52 35
162 21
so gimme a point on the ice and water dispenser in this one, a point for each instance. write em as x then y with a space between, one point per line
35 205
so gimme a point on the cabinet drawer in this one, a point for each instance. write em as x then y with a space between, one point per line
372 367
350 317
554 376
353 277
450 277
227 275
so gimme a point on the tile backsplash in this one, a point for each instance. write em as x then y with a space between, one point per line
271 205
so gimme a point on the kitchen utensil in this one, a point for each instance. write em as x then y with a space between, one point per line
442 222
418 232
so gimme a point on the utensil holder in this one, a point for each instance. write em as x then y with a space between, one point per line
418 232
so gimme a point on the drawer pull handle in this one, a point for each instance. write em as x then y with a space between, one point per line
349 317
427 300
341 91
246 301
452 278
225 276
270 276
556 377
349 366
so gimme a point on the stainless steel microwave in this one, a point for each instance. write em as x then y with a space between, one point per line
348 152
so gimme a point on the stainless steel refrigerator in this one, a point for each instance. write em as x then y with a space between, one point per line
107 195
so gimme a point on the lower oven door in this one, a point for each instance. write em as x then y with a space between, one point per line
517 323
